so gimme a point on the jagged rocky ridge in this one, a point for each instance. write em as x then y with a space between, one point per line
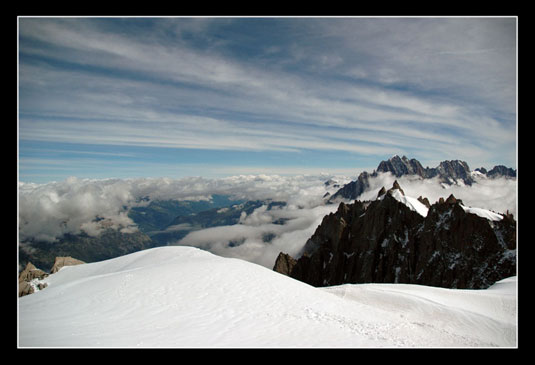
497 171
448 172
385 241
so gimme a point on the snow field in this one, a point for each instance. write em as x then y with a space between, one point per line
186 297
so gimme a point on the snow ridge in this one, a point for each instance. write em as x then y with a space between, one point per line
415 205
412 203
186 297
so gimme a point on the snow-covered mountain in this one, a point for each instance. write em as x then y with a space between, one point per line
447 173
186 297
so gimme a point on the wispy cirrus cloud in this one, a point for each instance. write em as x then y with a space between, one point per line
361 86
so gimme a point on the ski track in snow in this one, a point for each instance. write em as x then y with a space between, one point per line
186 297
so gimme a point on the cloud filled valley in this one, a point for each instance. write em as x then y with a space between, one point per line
265 214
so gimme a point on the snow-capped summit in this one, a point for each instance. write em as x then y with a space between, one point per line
412 203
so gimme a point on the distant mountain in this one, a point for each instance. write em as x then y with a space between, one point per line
498 171
160 222
159 214
402 166
183 224
353 189
109 244
448 172
400 239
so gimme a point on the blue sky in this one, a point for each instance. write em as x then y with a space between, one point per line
220 96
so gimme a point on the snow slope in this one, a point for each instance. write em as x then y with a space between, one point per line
186 297
412 203
415 205
492 216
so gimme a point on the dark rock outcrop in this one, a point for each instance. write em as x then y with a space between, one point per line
396 186
284 263
424 201
353 189
384 241
457 249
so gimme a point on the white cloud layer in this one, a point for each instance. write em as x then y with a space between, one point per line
248 236
48 211
51 210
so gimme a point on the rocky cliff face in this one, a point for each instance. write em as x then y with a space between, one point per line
449 172
385 241
353 189
400 166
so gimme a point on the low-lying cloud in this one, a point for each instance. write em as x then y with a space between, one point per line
49 211
256 238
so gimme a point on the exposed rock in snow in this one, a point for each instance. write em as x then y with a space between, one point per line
30 279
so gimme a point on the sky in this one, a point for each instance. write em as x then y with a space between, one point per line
176 97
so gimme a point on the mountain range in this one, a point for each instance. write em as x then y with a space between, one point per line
401 239
161 222
447 172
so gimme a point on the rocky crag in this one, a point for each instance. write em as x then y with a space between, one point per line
30 278
387 240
